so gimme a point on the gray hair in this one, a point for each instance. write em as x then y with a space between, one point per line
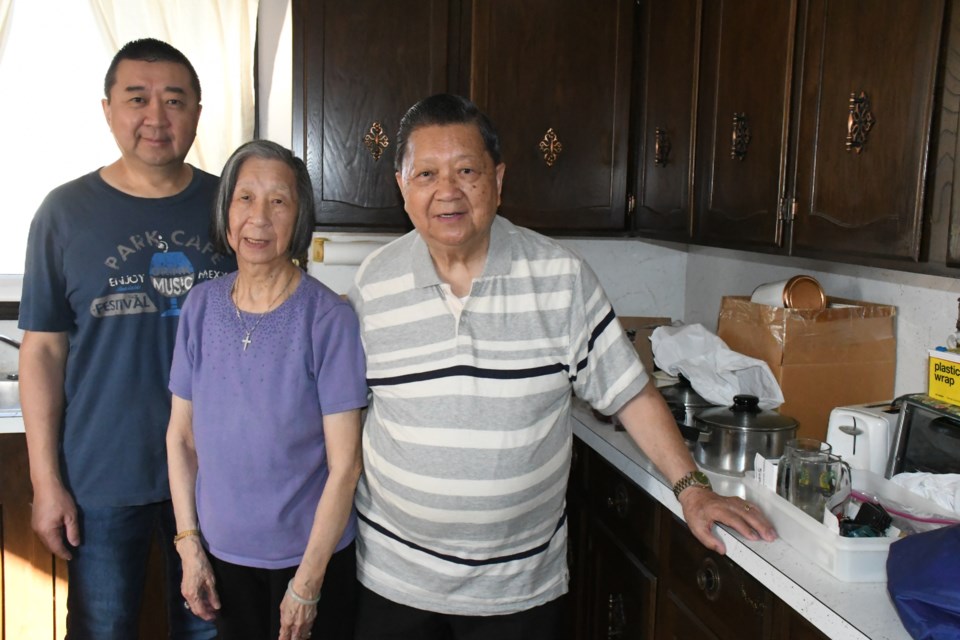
266 150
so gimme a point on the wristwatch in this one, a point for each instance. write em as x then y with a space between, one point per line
695 478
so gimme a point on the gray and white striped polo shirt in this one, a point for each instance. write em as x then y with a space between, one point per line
466 444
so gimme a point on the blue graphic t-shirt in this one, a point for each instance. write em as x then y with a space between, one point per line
112 270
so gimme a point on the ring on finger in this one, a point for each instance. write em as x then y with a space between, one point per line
746 506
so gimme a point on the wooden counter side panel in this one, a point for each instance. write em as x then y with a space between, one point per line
30 578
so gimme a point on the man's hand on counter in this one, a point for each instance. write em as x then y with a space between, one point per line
651 425
702 508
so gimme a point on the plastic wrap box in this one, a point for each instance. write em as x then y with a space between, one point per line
847 559
944 380
843 355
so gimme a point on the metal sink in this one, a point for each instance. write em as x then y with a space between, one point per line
9 392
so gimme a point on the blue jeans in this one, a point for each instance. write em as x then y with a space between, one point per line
108 571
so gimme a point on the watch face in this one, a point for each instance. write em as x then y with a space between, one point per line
701 477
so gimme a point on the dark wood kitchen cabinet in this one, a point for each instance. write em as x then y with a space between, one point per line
663 117
554 76
638 573
745 84
705 595
613 584
869 71
358 66
33 582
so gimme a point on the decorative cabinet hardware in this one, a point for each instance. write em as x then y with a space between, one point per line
376 141
740 139
550 147
661 147
859 121
708 579
616 616
619 502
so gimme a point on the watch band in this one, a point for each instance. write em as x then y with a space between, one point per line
694 478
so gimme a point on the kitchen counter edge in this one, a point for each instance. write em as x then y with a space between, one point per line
856 611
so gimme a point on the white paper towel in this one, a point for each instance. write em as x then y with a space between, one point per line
349 253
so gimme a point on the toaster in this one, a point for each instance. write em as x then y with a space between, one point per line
861 434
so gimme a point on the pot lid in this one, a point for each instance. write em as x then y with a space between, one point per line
745 414
682 393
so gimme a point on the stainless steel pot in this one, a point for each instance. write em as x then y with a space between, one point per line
730 437
685 403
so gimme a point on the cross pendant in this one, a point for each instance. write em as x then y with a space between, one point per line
246 341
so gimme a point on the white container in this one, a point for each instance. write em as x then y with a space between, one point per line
799 292
846 559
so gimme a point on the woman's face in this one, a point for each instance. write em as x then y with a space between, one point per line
263 212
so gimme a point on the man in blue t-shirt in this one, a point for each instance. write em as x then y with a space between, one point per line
110 259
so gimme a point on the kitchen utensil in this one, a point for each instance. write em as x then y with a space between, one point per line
861 434
799 292
817 482
730 437
685 403
797 447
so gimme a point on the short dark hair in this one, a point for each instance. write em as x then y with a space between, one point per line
442 109
148 50
266 150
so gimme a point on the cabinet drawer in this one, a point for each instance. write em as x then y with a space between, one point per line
727 600
626 510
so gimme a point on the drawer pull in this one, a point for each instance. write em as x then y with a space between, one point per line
619 501
616 616
708 579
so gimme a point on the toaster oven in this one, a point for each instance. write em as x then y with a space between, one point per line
926 438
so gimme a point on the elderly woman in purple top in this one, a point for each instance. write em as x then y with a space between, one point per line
268 381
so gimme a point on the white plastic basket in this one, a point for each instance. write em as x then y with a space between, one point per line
847 559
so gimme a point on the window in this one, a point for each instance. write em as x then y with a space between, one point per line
53 56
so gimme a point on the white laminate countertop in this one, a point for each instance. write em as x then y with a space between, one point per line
841 610
11 424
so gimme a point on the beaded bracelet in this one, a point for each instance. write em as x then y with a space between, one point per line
300 599
185 534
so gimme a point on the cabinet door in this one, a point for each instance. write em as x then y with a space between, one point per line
698 585
665 90
360 65
623 595
869 69
743 129
554 77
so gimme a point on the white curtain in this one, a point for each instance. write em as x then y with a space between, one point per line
4 15
218 36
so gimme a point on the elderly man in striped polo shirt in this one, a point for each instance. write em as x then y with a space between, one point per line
476 331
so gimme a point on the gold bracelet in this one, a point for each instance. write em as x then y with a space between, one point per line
185 534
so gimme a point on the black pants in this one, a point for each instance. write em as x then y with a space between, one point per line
382 619
250 599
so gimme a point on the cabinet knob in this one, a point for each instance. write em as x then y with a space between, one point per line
708 579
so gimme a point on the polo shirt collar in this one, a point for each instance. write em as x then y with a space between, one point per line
499 255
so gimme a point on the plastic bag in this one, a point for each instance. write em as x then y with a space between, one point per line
715 371
922 579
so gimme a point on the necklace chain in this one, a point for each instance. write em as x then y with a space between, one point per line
248 332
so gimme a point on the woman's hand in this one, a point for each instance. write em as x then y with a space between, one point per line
296 619
198 586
